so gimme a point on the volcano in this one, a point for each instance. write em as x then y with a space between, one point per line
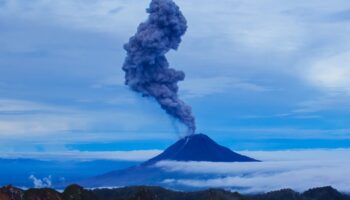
196 147
199 147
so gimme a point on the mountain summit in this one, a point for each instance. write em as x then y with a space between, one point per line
199 147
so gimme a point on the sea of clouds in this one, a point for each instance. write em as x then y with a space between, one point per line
297 169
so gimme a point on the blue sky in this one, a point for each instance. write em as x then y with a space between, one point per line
260 75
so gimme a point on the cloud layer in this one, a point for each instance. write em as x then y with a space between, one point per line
299 170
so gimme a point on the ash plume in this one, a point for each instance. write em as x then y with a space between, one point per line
146 68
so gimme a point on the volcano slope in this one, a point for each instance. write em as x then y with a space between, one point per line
196 147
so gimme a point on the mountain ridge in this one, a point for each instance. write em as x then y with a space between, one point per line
76 192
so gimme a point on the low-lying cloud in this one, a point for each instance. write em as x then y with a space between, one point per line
299 170
41 183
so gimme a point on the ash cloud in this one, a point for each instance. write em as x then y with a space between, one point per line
146 68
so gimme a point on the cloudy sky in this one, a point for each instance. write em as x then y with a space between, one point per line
260 75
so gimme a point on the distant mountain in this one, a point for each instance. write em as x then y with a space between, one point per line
198 147
76 192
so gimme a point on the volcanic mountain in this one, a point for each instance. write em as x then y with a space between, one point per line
197 147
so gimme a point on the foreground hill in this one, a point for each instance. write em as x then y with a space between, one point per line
76 192
197 147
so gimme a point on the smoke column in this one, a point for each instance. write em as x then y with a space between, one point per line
146 67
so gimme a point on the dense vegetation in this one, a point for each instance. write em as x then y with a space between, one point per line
75 192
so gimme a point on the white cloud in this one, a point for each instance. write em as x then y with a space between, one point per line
328 74
299 170
110 81
41 183
13 105
328 102
300 155
37 125
331 73
137 155
199 87
29 120
19 117
282 133
101 16
246 23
